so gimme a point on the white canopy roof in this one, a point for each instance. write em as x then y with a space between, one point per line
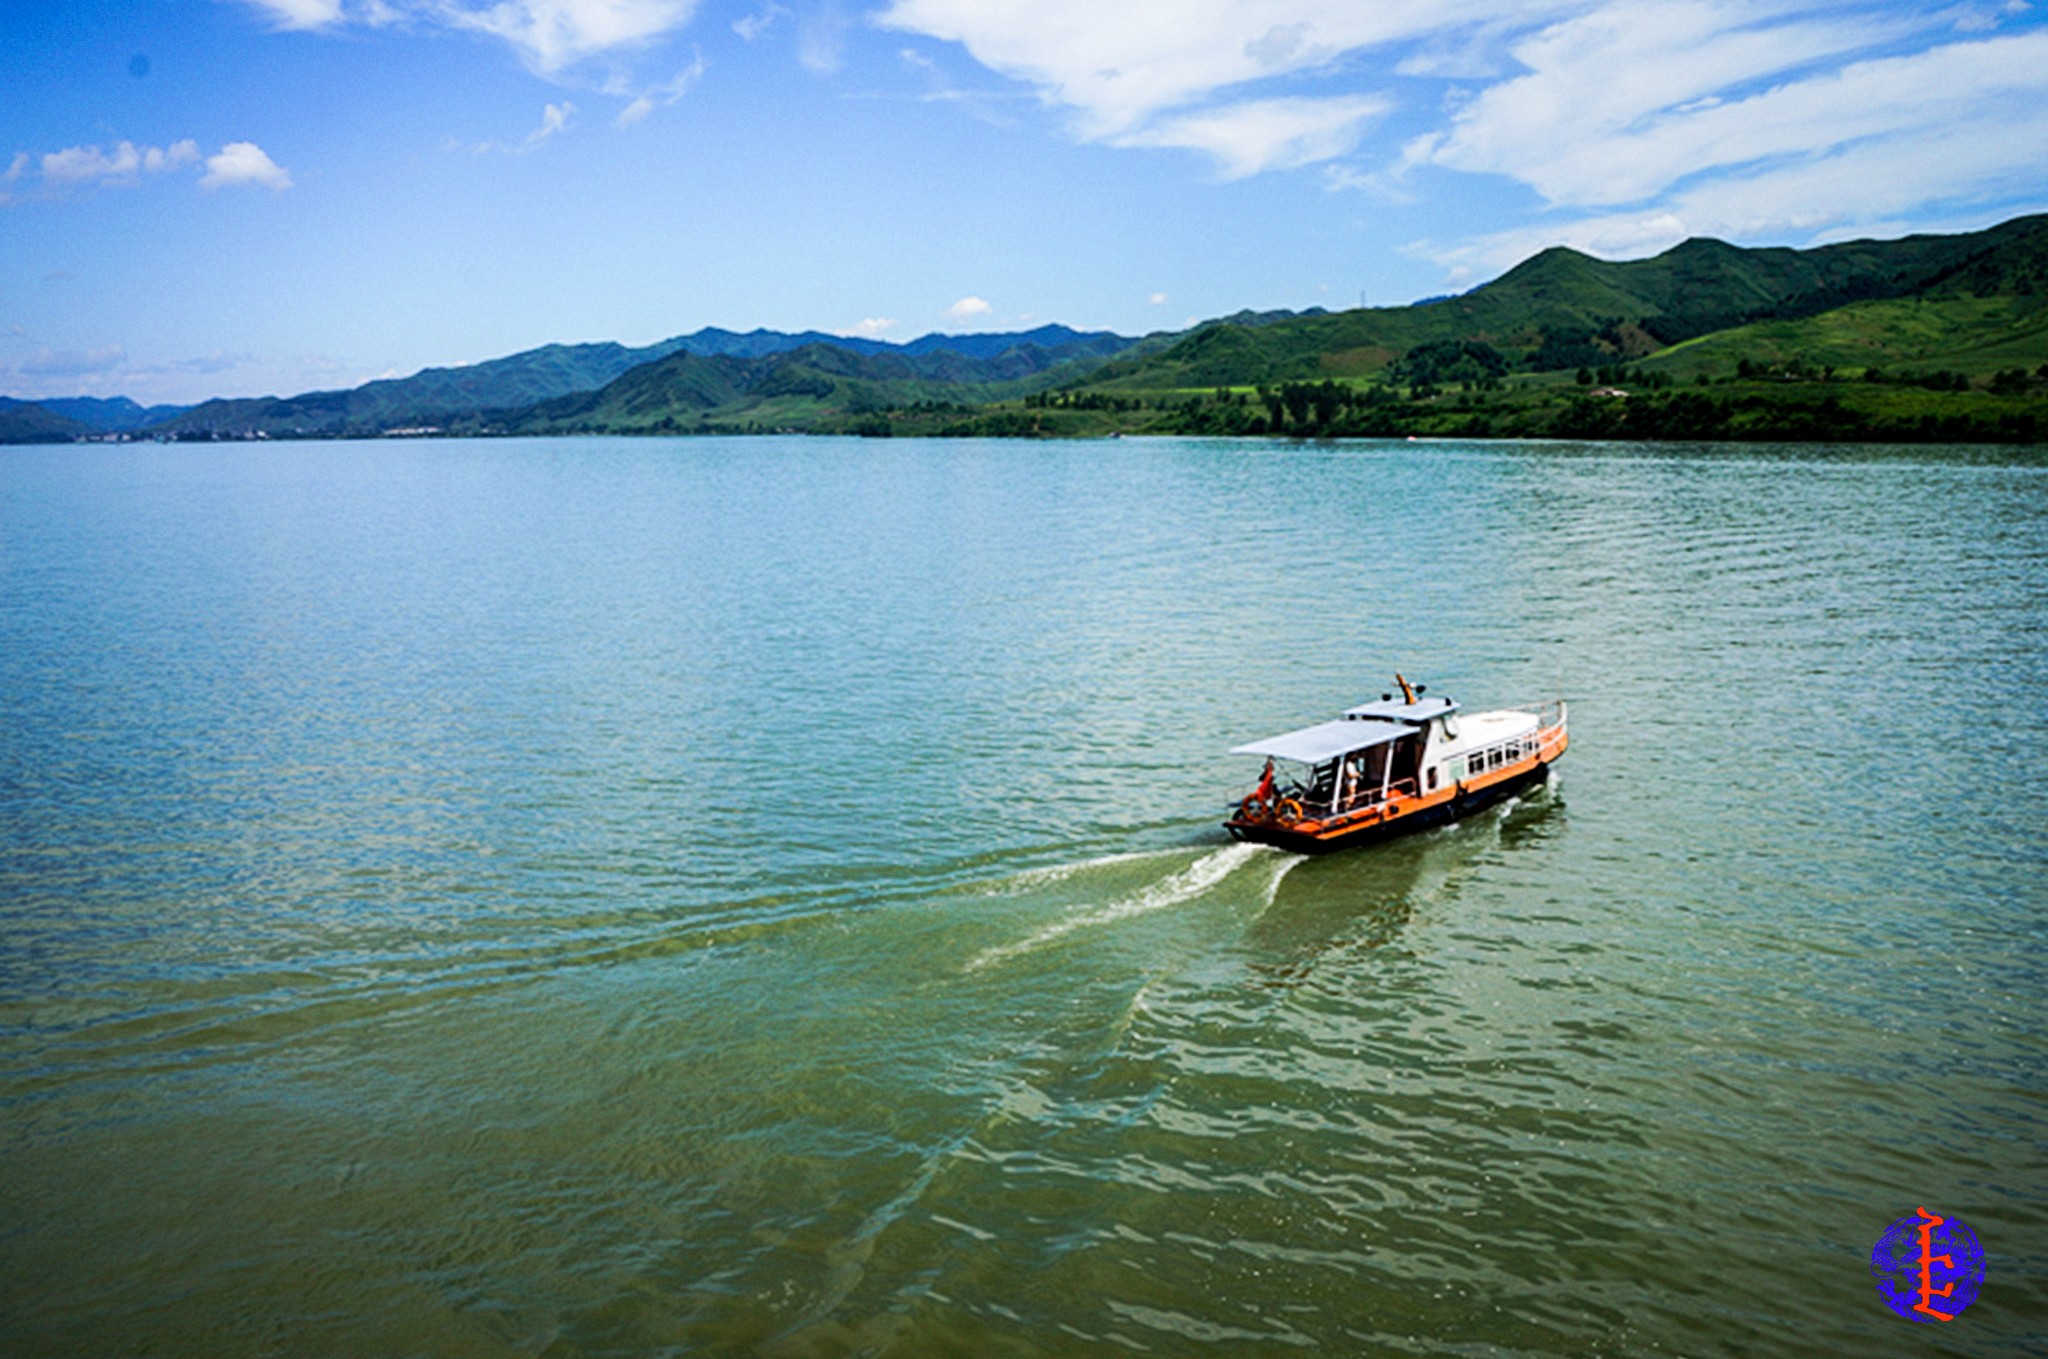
1393 710
1326 740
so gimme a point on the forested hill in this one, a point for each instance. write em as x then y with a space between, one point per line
1563 310
25 422
107 414
442 398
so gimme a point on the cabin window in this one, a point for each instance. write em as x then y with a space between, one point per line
1432 778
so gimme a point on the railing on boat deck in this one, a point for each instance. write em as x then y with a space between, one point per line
1367 797
1318 806
1551 721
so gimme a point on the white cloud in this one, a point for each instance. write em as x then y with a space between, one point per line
821 37
1157 299
551 34
1390 188
170 157
47 362
1119 65
206 365
553 118
966 307
1265 134
1876 181
243 163
663 95
82 164
109 370
752 26
301 13
76 165
872 328
548 34
1872 141
1620 103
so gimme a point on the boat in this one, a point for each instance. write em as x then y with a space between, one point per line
1386 768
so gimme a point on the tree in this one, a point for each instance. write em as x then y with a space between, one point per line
1274 405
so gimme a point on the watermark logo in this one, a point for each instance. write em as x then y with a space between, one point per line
1927 1267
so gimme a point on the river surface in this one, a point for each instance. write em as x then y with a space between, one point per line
766 897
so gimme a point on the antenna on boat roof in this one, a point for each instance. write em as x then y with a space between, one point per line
1407 689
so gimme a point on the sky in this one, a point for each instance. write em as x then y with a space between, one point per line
245 197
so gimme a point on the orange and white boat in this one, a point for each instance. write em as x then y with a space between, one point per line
1386 768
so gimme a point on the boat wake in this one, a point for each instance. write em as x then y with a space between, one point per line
1037 879
1174 889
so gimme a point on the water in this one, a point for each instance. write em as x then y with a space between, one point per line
599 897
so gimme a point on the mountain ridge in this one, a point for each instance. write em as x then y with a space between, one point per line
433 397
1704 310
1562 309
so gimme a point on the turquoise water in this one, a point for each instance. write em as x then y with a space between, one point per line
599 897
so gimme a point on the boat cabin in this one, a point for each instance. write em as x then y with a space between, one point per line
1370 755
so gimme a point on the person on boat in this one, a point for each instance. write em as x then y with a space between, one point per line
1264 792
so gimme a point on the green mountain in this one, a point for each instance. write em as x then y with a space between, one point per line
426 398
802 388
480 394
1561 310
1926 339
25 422
106 413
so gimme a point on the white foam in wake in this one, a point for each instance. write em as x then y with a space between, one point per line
1287 864
1032 879
1197 878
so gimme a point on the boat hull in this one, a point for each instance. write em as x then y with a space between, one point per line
1461 803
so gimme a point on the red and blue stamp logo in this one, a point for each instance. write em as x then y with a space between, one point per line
1928 1267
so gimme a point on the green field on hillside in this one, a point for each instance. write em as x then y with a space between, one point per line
1978 336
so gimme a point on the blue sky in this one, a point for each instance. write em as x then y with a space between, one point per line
236 197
